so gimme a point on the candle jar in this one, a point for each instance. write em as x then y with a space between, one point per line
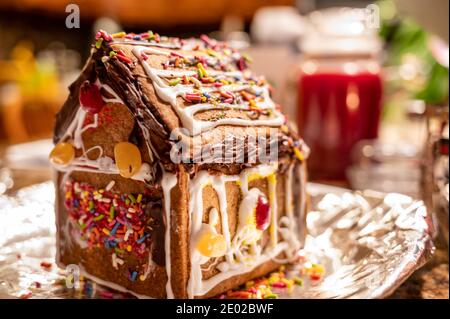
339 97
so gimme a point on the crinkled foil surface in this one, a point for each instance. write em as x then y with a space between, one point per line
368 243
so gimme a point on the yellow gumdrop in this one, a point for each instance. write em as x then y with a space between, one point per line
212 245
62 154
128 159
250 220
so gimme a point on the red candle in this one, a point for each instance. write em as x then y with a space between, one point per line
337 108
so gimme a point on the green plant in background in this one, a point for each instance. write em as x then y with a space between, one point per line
409 47
436 88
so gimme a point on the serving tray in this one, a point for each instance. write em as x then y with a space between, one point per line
366 242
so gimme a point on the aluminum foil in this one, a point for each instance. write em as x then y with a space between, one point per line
368 243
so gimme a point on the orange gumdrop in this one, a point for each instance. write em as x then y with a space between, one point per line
211 244
128 159
62 154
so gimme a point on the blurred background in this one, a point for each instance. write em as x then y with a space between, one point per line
365 82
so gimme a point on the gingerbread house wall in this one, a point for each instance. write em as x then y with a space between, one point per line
115 124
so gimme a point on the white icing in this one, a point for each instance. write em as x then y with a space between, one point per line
218 184
169 94
144 173
116 261
110 185
149 44
105 283
246 212
115 99
226 273
213 217
75 127
168 181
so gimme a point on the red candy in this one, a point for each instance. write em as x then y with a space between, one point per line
90 98
241 64
104 35
46 265
262 213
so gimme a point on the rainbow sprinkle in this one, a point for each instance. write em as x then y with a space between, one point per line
117 222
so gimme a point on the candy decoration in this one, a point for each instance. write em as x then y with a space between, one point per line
193 97
211 244
128 159
90 98
262 213
62 154
103 35
102 219
119 35
122 57
299 154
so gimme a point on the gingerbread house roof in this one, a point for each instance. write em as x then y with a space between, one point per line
197 91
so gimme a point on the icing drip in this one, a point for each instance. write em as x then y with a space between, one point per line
149 44
169 94
169 180
115 99
289 224
274 209
195 213
219 186
76 128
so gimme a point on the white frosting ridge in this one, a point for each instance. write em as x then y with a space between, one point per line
169 94
168 181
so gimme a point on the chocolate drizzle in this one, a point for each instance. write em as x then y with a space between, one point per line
120 77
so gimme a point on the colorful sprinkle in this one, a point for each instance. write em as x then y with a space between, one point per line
119 35
99 42
299 154
82 199
26 296
174 82
201 70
